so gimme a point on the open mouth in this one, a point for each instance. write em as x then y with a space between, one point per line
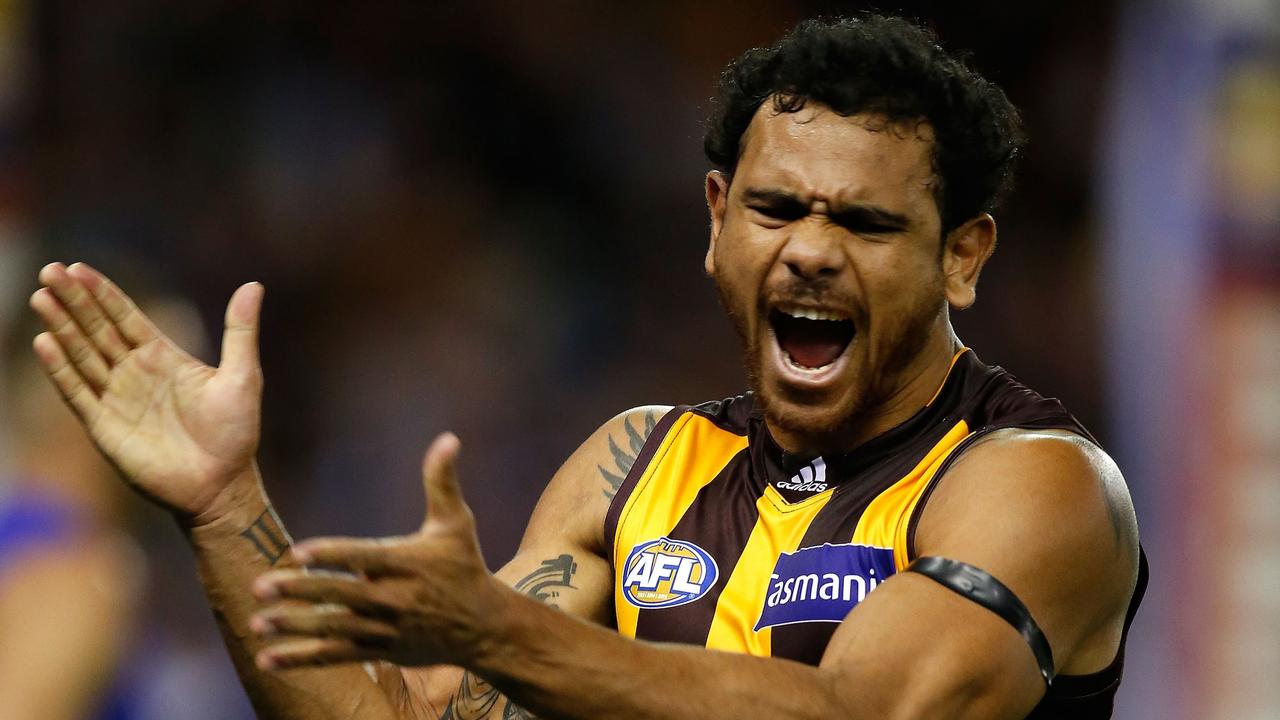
809 338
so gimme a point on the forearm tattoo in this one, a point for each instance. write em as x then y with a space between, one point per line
268 536
623 459
476 697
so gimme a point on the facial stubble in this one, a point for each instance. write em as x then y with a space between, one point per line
874 383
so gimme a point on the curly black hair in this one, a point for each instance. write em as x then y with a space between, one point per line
889 67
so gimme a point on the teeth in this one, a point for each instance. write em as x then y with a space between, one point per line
813 314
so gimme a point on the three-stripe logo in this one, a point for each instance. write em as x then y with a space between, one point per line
811 478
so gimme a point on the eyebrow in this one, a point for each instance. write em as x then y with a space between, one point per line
772 196
844 214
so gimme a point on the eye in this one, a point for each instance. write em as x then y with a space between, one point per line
861 224
783 213
870 228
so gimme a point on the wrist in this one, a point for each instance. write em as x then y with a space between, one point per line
501 640
241 499
499 628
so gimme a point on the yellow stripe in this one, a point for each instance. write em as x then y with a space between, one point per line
690 457
950 367
885 521
780 528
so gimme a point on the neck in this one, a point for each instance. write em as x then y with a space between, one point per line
911 389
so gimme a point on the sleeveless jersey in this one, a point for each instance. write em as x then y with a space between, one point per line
720 538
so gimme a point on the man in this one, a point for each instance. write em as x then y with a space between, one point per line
884 528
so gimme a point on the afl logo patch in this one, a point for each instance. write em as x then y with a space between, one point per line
665 573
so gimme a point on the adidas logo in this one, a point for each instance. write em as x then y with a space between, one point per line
811 478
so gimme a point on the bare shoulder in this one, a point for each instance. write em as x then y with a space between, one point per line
1049 475
1049 514
578 496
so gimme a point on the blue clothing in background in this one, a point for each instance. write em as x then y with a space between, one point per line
32 522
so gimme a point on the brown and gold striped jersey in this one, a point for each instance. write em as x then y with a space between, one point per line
720 538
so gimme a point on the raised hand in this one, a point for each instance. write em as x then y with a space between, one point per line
420 599
178 430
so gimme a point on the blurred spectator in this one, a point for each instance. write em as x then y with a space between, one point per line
70 578
89 633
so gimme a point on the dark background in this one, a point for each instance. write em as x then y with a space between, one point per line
485 217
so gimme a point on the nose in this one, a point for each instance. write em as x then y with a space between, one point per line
811 254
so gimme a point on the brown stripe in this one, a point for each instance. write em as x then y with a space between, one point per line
731 414
719 521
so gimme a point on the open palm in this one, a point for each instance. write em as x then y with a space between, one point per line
178 430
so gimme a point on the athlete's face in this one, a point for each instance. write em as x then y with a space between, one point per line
827 252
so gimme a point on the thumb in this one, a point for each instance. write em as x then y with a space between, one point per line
440 478
240 338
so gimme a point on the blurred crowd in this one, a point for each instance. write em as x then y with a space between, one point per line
485 217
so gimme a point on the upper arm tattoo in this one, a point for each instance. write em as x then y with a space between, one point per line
476 698
625 457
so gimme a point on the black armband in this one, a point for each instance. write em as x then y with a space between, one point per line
978 586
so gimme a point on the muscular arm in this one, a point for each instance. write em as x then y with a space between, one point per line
559 567
560 562
556 581
1045 514
250 540
243 540
184 434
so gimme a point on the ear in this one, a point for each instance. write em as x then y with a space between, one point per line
966 250
717 200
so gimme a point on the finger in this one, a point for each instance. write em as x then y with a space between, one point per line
381 556
440 478
133 326
240 338
77 348
70 385
76 298
332 621
311 651
362 596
